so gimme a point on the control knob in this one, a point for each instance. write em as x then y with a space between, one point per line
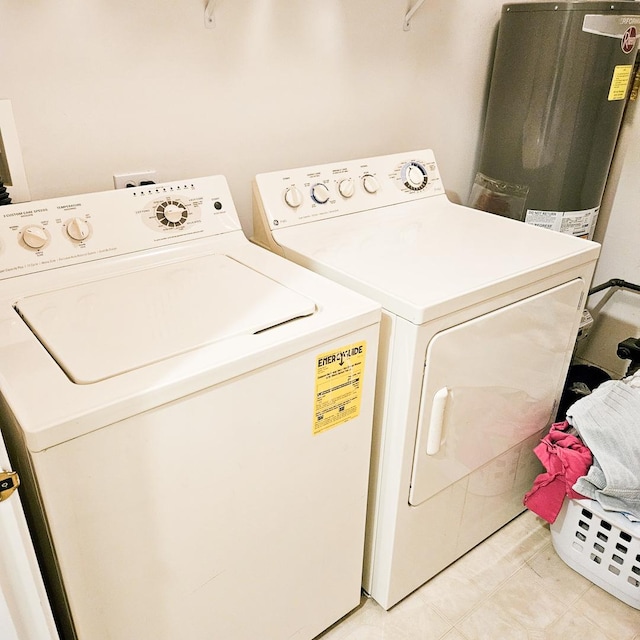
346 188
35 237
175 212
414 176
171 213
293 197
370 183
78 229
320 193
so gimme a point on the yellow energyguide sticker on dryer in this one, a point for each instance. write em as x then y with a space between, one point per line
620 82
339 375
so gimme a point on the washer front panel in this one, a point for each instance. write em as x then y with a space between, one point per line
37 236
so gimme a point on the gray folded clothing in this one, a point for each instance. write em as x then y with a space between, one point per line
608 421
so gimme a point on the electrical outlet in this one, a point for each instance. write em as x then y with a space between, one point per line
124 180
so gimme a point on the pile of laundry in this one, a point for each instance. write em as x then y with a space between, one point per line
594 453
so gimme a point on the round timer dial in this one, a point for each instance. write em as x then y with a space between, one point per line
171 213
414 176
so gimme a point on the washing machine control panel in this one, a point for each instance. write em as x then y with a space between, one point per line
47 234
299 196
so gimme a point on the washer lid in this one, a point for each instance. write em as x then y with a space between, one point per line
104 328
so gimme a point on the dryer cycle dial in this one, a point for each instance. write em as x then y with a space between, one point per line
414 176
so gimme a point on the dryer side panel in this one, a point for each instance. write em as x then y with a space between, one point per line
489 384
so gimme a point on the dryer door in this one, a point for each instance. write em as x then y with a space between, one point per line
490 383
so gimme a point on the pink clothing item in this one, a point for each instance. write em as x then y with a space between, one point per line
566 458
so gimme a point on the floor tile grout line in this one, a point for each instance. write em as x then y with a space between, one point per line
519 565
572 602
483 603
486 596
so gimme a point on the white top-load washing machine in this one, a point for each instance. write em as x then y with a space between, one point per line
191 416
480 315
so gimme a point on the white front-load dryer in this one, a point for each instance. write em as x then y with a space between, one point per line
190 414
480 316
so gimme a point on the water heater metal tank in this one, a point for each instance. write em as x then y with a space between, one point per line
561 78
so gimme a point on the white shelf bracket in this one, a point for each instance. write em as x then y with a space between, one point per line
209 17
407 19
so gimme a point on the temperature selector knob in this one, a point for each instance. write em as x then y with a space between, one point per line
414 176
35 237
293 197
78 229
320 193
346 187
370 183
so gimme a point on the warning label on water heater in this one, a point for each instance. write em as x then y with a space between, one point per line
581 224
339 375
620 82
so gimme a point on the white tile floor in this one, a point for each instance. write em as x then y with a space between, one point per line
511 587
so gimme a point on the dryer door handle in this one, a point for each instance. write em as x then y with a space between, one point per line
436 421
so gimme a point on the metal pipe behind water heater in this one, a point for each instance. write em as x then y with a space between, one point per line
561 77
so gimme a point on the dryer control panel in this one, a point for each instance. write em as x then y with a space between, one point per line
46 234
299 196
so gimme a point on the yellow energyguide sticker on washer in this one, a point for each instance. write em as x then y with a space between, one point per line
339 376
620 82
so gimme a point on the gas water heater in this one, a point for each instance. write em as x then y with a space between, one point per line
561 78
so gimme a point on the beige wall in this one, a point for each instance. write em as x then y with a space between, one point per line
617 311
116 86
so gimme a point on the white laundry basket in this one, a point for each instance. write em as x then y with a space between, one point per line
601 545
